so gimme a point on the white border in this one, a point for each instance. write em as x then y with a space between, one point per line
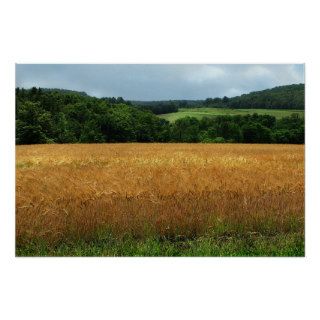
165 31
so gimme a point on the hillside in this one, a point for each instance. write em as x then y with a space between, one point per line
283 97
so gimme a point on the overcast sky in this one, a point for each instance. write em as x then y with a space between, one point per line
159 81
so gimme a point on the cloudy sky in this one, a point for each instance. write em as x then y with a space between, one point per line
159 81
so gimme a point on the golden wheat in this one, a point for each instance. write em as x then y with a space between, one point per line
74 191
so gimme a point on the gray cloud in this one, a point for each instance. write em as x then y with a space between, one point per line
159 81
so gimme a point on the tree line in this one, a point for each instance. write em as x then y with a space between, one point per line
63 116
166 106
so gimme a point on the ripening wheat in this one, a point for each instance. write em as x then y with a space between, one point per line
187 190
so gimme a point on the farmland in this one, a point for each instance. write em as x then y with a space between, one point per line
199 113
135 199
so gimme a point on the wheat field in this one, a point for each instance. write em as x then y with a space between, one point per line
185 191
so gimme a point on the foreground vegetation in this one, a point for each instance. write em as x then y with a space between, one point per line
160 200
200 113
289 245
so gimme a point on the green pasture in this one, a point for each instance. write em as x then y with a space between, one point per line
213 112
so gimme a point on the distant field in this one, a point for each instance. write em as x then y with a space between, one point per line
136 199
212 112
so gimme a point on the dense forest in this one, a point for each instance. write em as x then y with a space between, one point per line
64 116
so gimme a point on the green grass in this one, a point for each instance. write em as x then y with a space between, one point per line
285 245
213 112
